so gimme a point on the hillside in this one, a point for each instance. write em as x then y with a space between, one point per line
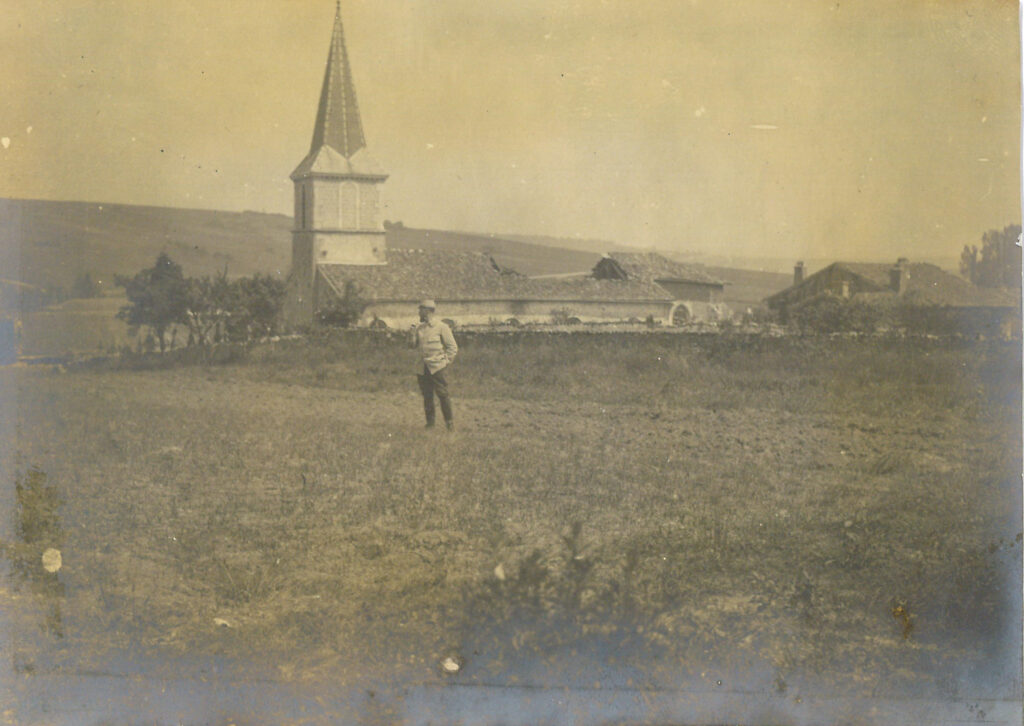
529 258
597 246
50 243
747 288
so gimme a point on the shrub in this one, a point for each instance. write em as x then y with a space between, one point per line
344 311
759 315
831 314
208 307
255 307
561 316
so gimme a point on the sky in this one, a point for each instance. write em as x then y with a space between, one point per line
865 129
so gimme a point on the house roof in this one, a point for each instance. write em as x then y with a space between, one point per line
926 284
651 266
447 276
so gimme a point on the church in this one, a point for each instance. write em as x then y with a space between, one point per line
340 247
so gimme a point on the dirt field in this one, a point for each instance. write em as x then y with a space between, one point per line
633 510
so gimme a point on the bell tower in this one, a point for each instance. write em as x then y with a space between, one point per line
337 188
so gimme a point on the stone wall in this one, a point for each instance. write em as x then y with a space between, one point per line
403 314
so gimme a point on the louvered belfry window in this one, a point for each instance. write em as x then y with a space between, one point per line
349 205
368 200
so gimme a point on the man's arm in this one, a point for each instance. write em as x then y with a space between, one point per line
448 341
413 335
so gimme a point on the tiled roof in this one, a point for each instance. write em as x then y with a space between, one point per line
650 266
926 284
444 275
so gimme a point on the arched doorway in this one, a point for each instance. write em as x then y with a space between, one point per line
680 314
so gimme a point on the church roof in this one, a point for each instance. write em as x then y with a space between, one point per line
325 161
337 119
473 276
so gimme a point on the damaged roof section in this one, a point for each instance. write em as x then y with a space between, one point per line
650 267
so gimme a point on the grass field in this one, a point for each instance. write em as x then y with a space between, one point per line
656 509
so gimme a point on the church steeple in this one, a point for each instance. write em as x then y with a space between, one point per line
337 119
337 192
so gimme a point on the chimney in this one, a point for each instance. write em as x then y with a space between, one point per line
898 276
798 273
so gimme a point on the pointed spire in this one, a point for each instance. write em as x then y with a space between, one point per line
337 118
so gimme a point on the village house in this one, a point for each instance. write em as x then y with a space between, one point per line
696 295
935 295
340 250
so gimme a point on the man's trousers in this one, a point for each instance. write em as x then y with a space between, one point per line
431 384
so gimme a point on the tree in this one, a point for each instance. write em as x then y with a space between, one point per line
208 306
157 298
255 306
998 263
969 263
345 310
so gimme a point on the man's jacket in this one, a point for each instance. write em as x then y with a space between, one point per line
435 343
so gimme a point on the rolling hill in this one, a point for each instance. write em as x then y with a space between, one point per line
51 243
529 258
747 288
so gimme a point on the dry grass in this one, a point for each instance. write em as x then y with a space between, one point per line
802 505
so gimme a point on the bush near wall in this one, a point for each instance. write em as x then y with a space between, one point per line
831 314
957 321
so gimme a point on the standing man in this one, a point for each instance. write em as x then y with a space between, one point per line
436 345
